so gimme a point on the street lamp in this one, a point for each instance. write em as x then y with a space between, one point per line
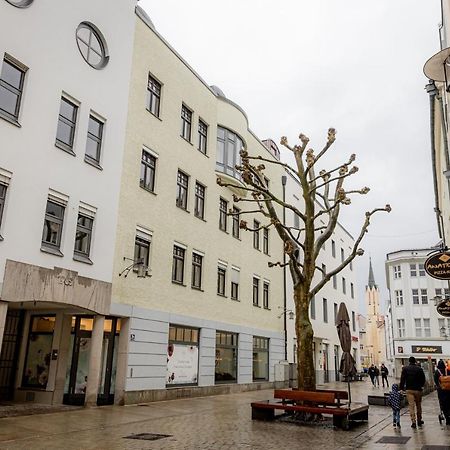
287 312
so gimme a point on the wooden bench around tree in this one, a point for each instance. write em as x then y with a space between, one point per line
327 402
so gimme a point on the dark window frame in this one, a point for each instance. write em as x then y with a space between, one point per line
186 123
179 254
255 291
197 271
58 220
266 241
223 214
182 190
236 231
154 89
202 137
83 228
325 310
142 244
3 191
230 141
221 280
15 90
199 203
69 122
148 171
266 288
256 243
97 140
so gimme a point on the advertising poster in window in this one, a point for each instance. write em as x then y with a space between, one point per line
182 364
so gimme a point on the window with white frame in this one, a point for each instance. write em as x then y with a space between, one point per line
422 270
401 327
235 276
94 139
153 95
229 145
53 224
399 297
178 264
424 296
266 287
142 243
197 269
415 296
83 235
397 272
255 291
148 171
67 120
12 78
418 327
426 328
413 270
221 279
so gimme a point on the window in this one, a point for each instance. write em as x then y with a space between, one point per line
325 310
424 296
352 290
401 327
438 292
351 265
441 326
186 123
415 296
39 350
397 272
399 297
182 190
334 281
142 248
421 270
3 188
266 295
94 139
11 89
221 278
296 220
256 226
426 328
353 321
202 136
335 311
53 225
92 45
83 236
223 207
199 207
178 264
418 327
153 95
228 156
312 306
148 170
266 241
344 286
236 220
333 249
260 358
183 345
413 270
235 275
67 119
342 255
255 291
226 357
197 264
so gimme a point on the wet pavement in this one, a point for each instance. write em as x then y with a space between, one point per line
217 422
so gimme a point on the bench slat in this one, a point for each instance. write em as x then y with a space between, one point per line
313 396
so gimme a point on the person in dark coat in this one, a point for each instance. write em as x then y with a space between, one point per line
377 376
395 401
384 374
443 396
371 373
412 381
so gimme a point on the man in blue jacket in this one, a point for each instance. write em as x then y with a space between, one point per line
412 381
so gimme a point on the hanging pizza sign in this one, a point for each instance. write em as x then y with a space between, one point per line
438 266
443 308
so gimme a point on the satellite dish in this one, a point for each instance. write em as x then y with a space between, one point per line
436 67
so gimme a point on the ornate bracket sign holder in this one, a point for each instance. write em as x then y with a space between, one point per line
438 266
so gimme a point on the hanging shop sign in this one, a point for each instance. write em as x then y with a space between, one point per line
438 266
430 349
443 308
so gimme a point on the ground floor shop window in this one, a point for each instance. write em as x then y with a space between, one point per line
226 357
39 349
182 356
260 358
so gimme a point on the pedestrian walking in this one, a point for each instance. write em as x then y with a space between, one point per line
412 381
384 374
371 373
377 376
443 393
395 401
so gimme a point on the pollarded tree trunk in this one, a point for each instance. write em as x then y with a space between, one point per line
306 374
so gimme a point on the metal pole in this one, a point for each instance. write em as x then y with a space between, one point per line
283 182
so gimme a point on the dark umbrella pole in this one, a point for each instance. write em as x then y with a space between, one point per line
347 367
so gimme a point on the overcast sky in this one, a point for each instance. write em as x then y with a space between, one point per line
303 66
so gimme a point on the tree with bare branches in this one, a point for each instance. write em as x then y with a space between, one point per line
323 194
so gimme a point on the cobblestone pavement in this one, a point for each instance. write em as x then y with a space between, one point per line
210 423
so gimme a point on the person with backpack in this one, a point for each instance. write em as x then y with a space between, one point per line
442 382
384 374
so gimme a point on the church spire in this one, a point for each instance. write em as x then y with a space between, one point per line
371 275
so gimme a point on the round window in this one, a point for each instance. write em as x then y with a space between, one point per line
92 45
20 3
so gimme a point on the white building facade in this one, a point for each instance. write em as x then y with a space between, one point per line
417 329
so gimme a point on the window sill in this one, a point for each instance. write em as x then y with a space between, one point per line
186 140
204 154
51 250
82 258
64 148
147 190
200 218
237 237
267 308
154 115
224 231
10 119
234 299
183 209
178 283
257 249
197 289
222 295
92 163
256 306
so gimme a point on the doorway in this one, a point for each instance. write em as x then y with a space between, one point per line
336 362
78 369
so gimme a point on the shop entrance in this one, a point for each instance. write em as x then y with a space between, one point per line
78 369
10 352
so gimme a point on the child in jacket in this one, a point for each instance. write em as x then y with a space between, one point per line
395 400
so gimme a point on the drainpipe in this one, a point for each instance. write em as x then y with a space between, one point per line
283 182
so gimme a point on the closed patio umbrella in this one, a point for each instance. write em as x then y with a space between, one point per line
347 367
